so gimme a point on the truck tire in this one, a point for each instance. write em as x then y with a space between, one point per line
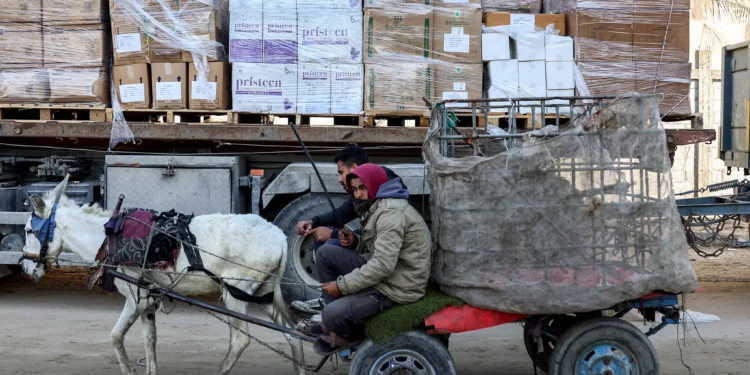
608 346
413 353
300 265
556 326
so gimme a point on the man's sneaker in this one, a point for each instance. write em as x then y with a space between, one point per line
317 318
312 306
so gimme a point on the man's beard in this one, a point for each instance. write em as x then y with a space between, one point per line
362 206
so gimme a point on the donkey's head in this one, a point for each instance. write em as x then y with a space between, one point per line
42 246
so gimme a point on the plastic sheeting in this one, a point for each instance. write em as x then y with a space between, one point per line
572 223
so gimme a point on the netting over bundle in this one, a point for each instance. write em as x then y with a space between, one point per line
572 223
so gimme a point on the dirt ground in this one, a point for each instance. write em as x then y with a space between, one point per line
56 326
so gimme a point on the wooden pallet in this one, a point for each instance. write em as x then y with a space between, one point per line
53 112
526 122
171 116
298 119
464 120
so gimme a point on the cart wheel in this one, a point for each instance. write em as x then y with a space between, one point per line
605 346
412 353
557 325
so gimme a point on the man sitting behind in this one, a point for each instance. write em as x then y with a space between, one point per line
391 265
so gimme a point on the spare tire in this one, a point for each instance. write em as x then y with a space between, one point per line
300 265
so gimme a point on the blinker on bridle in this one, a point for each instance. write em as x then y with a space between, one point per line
44 231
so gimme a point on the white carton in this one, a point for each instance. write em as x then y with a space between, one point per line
246 35
532 83
560 75
558 48
313 89
350 6
564 108
530 46
347 88
495 46
279 36
503 82
264 88
330 37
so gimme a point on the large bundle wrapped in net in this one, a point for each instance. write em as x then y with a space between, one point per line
573 223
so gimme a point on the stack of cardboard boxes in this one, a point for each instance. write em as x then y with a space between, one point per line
416 49
155 47
525 62
632 46
56 51
296 56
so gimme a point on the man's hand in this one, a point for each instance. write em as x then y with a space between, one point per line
347 238
303 227
322 234
332 289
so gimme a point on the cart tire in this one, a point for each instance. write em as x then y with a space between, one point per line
556 325
414 352
607 346
300 266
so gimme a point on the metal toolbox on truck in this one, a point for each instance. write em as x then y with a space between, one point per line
189 184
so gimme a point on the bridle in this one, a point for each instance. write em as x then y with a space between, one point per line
44 230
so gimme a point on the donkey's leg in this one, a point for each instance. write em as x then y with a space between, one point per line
148 320
238 341
129 314
281 315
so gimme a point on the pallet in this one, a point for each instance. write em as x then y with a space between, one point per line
53 112
297 119
526 122
390 120
172 116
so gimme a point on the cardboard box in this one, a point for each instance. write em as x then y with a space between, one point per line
390 4
76 45
601 35
128 39
558 48
77 12
313 89
562 6
280 38
351 6
347 81
397 88
495 46
454 3
561 75
503 83
607 78
532 79
458 35
207 24
216 93
246 35
651 35
21 11
21 45
132 86
670 79
519 6
157 50
530 46
330 37
25 85
526 22
392 36
458 81
169 85
264 88
88 85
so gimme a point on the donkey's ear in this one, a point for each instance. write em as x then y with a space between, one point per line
61 188
38 203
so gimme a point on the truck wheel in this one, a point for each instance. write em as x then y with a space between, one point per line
555 326
606 346
412 353
300 265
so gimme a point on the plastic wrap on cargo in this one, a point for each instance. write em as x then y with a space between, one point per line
54 12
79 85
516 6
573 223
563 6
23 85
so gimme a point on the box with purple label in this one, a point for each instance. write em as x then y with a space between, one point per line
264 88
313 89
280 37
347 85
330 37
246 36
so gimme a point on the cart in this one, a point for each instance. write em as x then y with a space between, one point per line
591 342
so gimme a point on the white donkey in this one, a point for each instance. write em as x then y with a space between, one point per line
248 240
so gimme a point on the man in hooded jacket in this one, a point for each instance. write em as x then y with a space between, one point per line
391 264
